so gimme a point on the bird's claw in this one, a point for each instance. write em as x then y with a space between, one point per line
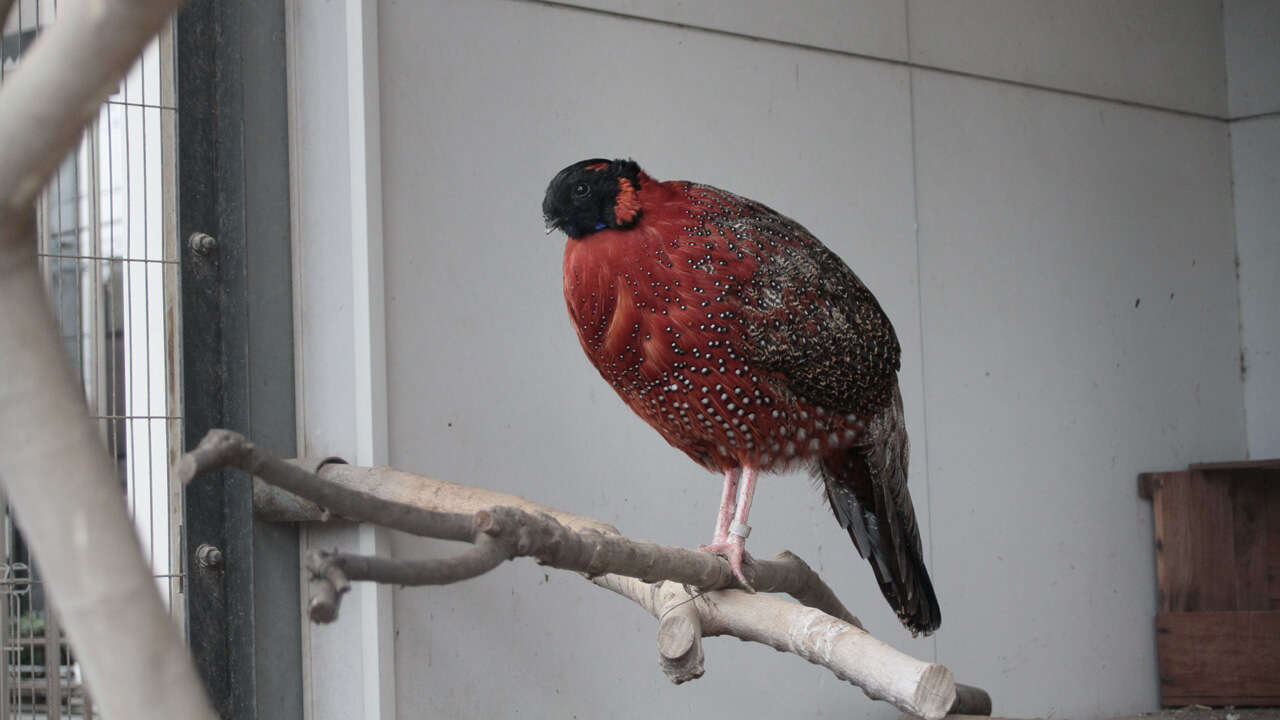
735 553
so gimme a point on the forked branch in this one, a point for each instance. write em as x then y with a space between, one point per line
515 528
501 527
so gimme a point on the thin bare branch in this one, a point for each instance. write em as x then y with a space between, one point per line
328 584
222 448
513 532
332 572
408 489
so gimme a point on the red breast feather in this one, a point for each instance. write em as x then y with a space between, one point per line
699 315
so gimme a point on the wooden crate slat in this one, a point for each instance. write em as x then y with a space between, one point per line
1219 658
1229 657
1252 495
1273 553
1268 464
1193 537
1217 536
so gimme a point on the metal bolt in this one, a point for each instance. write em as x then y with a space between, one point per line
202 243
208 556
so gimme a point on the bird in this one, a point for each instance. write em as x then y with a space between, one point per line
751 347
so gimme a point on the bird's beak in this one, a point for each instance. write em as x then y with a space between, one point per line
552 225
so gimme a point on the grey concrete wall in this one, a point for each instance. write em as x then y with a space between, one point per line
1044 208
1255 145
1253 69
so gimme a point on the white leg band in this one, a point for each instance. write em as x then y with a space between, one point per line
742 530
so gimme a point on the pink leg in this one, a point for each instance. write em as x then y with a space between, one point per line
728 502
745 492
732 542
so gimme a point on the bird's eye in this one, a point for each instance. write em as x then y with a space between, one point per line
581 190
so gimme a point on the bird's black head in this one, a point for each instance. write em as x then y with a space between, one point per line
593 195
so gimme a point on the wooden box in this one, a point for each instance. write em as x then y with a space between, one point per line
1217 533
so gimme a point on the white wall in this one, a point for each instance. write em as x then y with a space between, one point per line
1253 65
1255 146
1253 57
1059 267
1079 326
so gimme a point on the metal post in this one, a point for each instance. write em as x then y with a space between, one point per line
243 612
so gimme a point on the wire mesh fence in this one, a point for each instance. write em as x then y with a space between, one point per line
108 252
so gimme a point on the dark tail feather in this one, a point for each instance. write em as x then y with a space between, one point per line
867 488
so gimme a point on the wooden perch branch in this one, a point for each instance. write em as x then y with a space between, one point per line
501 527
852 654
515 527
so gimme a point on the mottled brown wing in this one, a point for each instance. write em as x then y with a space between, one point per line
809 317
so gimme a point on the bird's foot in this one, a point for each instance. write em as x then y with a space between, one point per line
735 553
